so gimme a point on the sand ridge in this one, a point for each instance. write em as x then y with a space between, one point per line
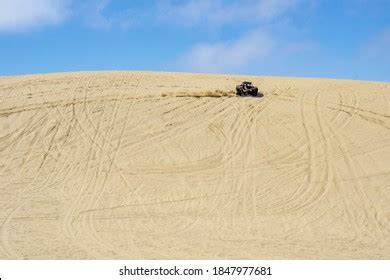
119 165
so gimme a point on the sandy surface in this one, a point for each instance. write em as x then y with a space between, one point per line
118 165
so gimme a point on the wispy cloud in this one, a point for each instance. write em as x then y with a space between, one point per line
22 15
266 24
219 12
378 47
216 13
92 11
99 14
224 57
273 8
256 49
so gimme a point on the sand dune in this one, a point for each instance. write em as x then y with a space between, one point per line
114 165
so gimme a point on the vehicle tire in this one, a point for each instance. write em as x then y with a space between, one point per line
239 90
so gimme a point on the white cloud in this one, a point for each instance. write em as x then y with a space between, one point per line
224 57
21 15
220 12
255 50
269 9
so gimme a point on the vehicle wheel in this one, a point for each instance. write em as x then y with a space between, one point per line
254 92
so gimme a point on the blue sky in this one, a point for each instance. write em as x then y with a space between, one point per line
346 39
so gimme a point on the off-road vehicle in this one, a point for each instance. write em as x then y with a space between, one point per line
246 89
